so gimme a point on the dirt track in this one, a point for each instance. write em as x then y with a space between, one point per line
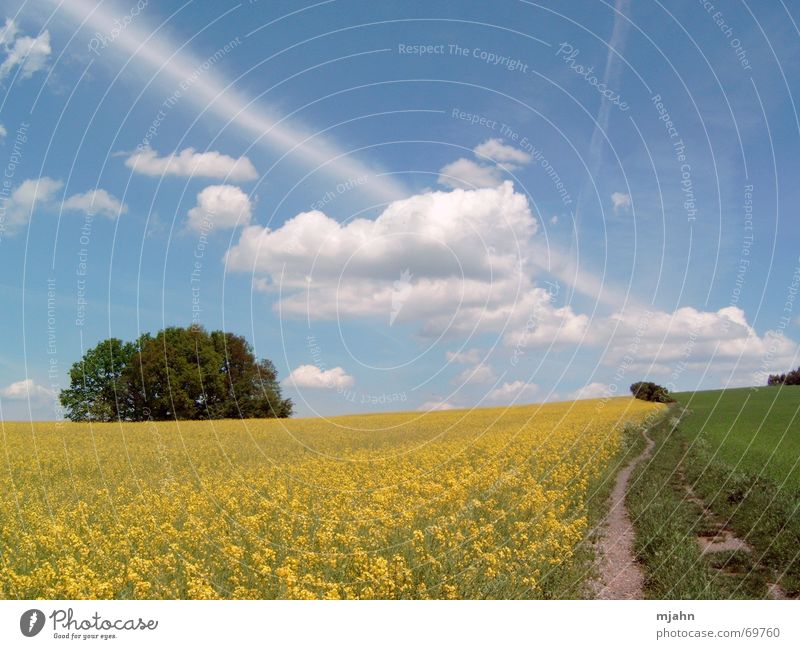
620 576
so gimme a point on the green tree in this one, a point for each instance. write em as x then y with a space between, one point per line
251 387
96 383
173 374
183 373
649 391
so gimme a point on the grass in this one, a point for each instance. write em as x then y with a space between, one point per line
737 451
583 572
666 525
754 430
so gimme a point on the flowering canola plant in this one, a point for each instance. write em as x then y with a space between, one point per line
485 503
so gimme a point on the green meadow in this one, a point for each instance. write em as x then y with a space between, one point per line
724 467
754 430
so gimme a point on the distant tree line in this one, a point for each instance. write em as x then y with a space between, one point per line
790 378
649 391
180 373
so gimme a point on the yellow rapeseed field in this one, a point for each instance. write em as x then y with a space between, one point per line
458 504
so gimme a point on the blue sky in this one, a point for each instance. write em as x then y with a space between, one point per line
405 205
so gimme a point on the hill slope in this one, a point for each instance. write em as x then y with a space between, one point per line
755 430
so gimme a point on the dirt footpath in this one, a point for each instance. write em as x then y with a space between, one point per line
620 576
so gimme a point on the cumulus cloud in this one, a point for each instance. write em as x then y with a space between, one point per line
667 345
479 374
191 163
467 356
436 404
691 339
463 250
472 262
42 193
25 389
23 52
496 150
620 201
658 342
95 201
594 390
3 132
220 207
311 376
514 392
466 174
18 207
8 34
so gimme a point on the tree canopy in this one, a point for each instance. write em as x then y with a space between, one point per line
649 391
180 373
790 378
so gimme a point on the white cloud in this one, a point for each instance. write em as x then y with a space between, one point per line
3 132
473 261
8 34
538 322
24 199
667 344
30 54
31 191
515 392
436 404
220 207
497 151
210 91
95 201
24 389
621 201
592 391
42 193
467 356
693 340
464 251
658 342
479 374
466 174
191 163
401 289
311 376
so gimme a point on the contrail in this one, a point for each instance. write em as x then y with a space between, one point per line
209 92
562 266
611 77
588 284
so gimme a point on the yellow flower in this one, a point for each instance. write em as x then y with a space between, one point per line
385 506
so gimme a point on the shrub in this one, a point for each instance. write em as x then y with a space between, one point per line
649 391
792 378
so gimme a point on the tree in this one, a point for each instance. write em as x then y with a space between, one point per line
186 373
96 383
792 378
649 391
251 389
